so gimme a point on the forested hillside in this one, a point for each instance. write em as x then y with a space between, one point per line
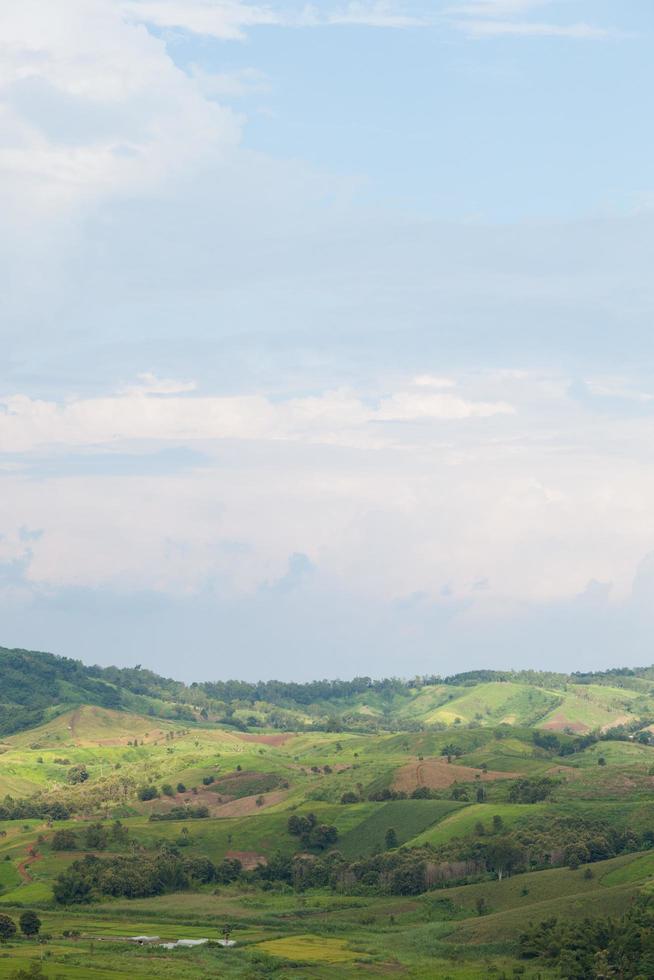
38 686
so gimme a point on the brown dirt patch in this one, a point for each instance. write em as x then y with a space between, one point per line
248 805
619 720
559 723
267 739
438 773
249 859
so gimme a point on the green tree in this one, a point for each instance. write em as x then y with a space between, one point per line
64 840
7 928
78 774
148 793
95 837
30 924
391 838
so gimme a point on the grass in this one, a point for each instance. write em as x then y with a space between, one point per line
463 822
310 949
408 818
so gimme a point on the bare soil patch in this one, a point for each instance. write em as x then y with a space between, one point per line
249 859
438 773
267 739
248 804
559 723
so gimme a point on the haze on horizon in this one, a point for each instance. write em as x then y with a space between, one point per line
327 335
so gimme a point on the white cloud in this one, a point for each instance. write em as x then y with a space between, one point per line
407 406
91 105
150 384
505 18
335 417
231 19
378 13
433 381
224 19
499 28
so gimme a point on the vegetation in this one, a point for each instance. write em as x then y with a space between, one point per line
482 825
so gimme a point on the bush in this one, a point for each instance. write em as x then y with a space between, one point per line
78 774
64 840
95 837
349 797
167 790
146 793
7 928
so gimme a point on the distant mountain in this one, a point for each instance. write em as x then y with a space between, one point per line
35 687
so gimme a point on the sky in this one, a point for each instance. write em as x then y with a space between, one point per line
327 335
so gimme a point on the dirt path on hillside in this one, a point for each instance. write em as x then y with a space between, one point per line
74 718
23 867
438 773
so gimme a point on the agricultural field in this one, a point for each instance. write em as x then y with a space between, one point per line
421 844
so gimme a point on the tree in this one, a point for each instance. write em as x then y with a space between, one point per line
119 833
64 840
95 837
503 856
32 972
391 838
7 928
71 888
148 793
181 788
30 924
78 774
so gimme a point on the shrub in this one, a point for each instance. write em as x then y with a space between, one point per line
7 928
64 840
146 793
78 774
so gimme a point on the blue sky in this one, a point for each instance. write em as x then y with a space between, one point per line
327 334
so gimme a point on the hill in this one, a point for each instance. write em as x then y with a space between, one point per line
40 686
